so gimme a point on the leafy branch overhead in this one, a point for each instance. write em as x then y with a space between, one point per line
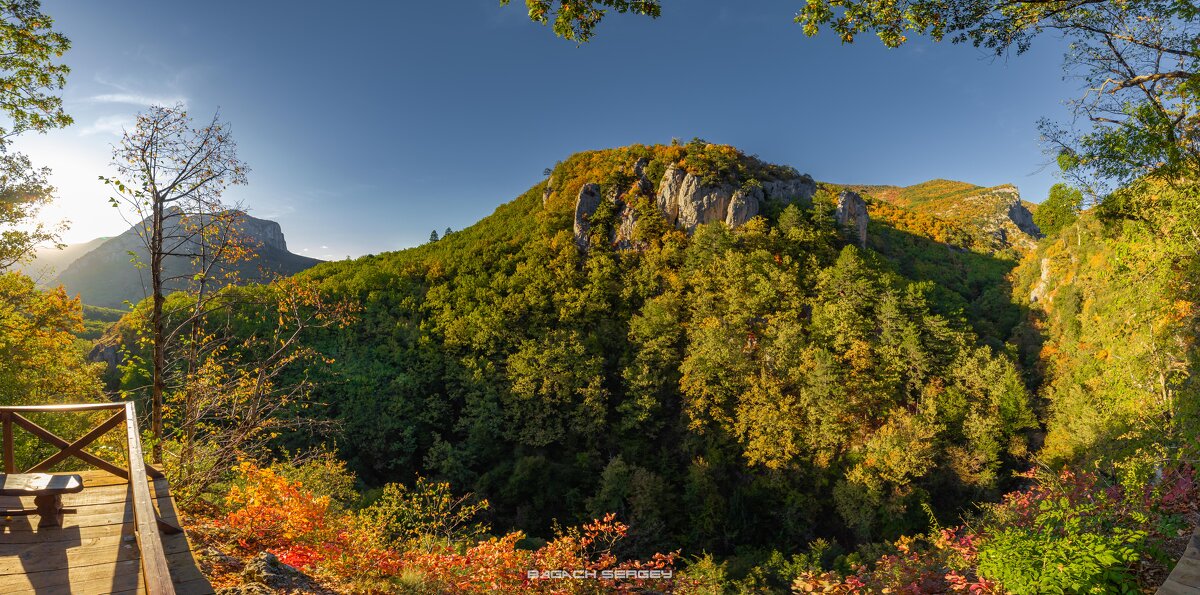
1137 61
30 76
577 19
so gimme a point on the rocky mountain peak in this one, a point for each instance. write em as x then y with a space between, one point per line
686 201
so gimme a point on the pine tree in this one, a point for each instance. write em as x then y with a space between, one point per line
433 237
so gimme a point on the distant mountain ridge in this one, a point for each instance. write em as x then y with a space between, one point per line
48 262
997 212
102 273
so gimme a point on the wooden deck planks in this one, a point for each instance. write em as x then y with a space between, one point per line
1185 578
96 550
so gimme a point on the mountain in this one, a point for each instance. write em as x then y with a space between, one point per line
47 263
101 271
727 352
739 361
996 216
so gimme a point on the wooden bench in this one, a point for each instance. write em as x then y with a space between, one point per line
47 491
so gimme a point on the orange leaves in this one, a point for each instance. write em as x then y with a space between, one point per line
580 560
268 511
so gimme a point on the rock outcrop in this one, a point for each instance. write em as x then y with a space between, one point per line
800 188
743 206
1038 291
1006 218
852 213
107 350
548 190
585 207
268 234
623 231
266 574
686 202
1022 217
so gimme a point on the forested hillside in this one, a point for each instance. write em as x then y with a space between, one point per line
762 389
661 369
1113 297
753 387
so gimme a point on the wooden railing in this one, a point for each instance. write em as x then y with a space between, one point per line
153 560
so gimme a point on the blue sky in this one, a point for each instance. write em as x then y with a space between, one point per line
366 125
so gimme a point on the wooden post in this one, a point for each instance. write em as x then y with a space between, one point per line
10 463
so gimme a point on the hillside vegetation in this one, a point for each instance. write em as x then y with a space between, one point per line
770 396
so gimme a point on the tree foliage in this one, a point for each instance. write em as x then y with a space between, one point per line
768 380
30 80
577 19
169 178
1137 60
1059 210
30 74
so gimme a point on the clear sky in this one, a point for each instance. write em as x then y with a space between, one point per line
368 124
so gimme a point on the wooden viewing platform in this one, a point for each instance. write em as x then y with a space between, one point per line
123 536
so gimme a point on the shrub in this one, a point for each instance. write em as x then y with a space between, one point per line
1067 533
428 510
419 539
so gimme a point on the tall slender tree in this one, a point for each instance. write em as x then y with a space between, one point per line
170 179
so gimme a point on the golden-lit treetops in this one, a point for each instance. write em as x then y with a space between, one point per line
766 363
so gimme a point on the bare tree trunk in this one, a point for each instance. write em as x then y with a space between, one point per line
156 320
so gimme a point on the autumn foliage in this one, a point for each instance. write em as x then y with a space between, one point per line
367 551
1069 532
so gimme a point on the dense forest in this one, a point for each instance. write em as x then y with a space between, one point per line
668 368
773 400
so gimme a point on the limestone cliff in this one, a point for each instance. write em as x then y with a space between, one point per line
997 214
686 202
851 213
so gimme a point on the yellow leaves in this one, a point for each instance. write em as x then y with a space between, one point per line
1184 309
859 356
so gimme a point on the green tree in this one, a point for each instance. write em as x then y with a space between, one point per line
40 362
30 79
1139 60
24 190
1059 210
30 76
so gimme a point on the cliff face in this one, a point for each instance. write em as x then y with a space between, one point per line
998 213
851 213
686 201
104 276
688 195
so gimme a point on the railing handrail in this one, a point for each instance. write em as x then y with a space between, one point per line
65 407
155 571
154 561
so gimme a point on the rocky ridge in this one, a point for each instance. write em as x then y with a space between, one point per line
103 276
1004 220
686 202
